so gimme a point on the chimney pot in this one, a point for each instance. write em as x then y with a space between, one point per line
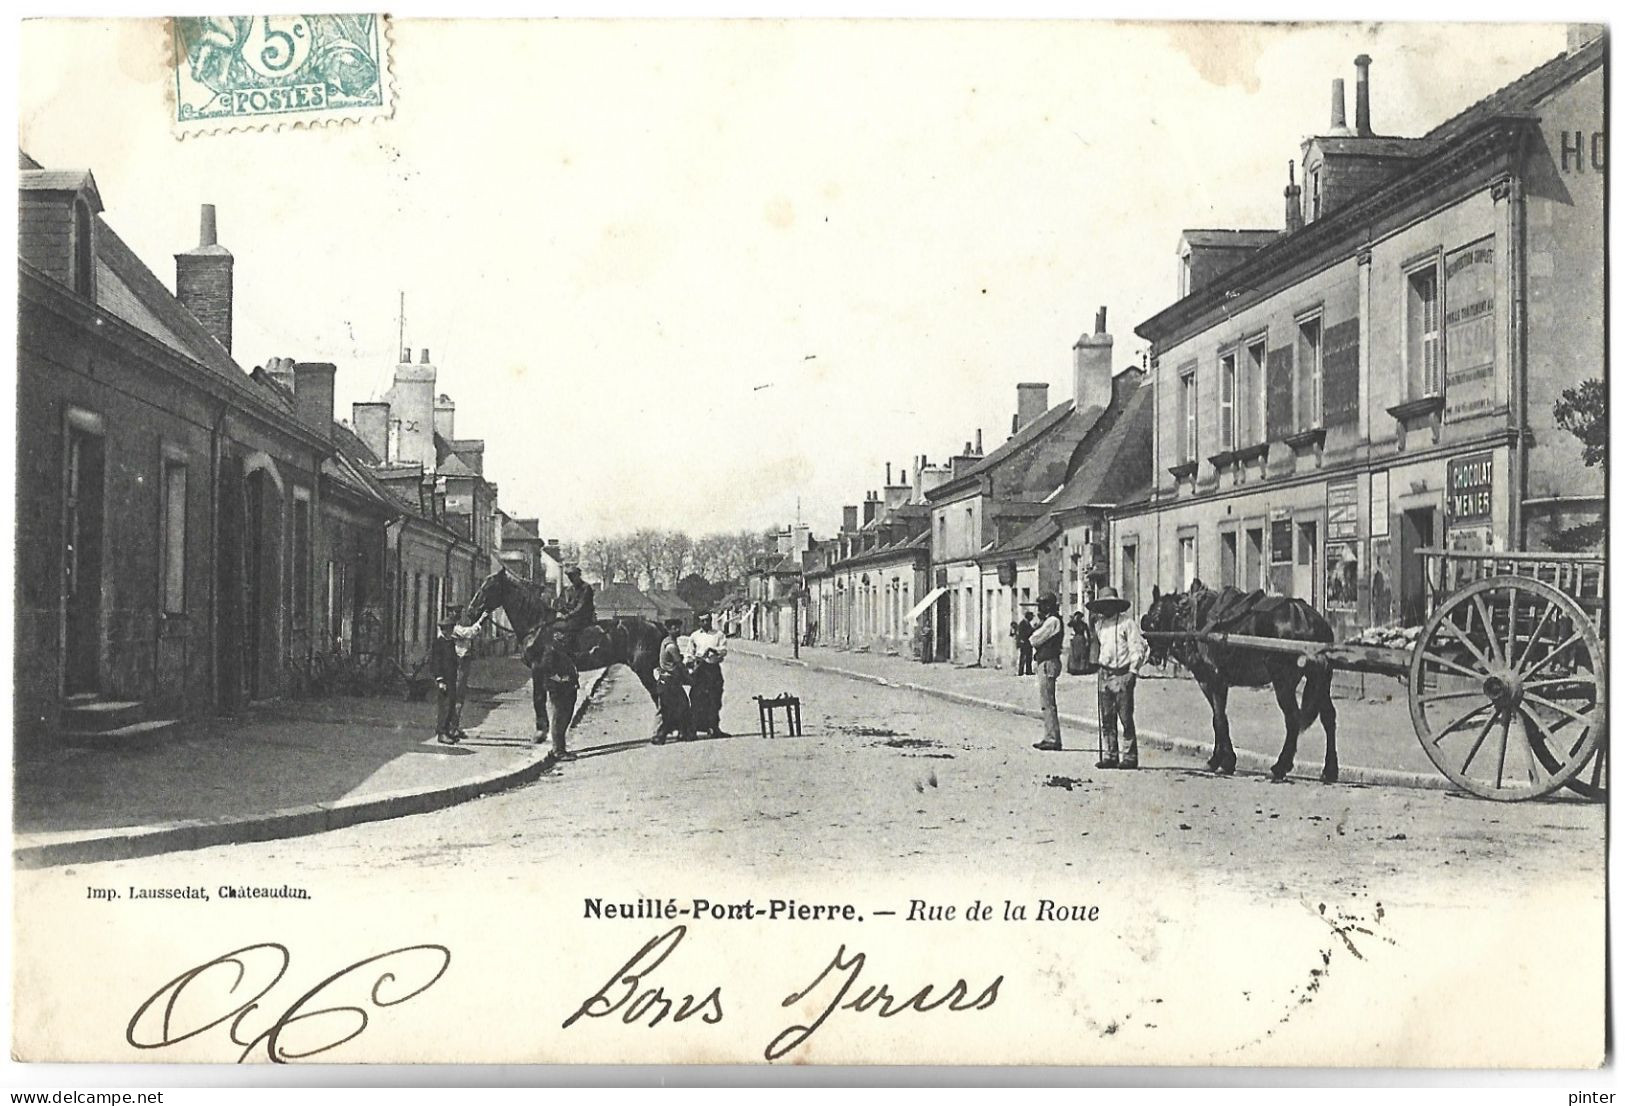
1340 124
424 360
1362 96
206 231
888 474
1100 321
978 441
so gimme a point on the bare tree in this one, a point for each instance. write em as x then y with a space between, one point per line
605 557
676 557
643 554
711 557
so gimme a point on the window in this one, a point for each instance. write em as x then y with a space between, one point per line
301 559
1257 392
1423 350
1314 193
174 537
942 535
334 605
1187 561
1187 413
1184 275
1311 406
1228 407
84 268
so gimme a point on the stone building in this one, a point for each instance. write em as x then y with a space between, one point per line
1378 376
162 566
989 499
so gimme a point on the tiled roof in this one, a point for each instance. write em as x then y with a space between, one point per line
1232 238
1116 468
621 597
1034 430
1374 146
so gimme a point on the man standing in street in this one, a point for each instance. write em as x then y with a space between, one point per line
1024 645
1122 651
558 684
675 715
1046 642
446 672
464 637
707 649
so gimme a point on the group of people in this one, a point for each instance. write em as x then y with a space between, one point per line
684 715
1109 645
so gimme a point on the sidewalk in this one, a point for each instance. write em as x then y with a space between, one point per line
283 769
1376 743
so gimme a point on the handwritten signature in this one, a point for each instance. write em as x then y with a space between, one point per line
332 1013
628 994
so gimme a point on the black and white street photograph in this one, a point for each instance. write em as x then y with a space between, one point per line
822 542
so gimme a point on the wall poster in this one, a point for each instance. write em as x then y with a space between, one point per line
1469 330
1342 575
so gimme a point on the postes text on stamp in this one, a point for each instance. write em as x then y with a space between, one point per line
252 72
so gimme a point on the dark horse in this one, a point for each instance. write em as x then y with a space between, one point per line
1218 668
634 642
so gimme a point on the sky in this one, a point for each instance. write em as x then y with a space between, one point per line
708 275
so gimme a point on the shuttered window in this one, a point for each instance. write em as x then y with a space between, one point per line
1426 369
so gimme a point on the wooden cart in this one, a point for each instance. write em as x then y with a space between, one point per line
1508 677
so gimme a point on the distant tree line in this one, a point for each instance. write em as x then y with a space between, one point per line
700 570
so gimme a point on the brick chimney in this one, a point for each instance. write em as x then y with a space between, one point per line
445 416
1032 400
871 507
1362 96
313 395
412 403
1294 200
203 281
1340 124
1092 367
849 518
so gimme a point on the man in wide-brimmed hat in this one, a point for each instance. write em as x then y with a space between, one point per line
1046 640
1122 651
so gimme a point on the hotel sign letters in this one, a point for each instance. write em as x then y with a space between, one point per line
1471 480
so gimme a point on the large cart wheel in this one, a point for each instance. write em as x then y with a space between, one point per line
1507 690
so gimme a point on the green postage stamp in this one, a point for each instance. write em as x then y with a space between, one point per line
256 71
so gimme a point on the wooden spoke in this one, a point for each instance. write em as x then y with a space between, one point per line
1434 658
1549 731
1461 636
1489 629
1568 643
1481 708
1473 752
1534 635
1559 707
1470 693
1512 626
1506 736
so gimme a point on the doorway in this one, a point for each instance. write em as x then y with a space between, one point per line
1305 569
1416 532
82 544
1254 566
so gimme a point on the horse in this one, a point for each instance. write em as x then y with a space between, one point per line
1218 668
531 610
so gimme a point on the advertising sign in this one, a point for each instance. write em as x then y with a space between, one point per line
1469 496
1342 510
1469 326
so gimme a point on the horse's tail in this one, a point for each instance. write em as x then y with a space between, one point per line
1317 693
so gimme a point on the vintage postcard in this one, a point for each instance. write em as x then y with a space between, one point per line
810 542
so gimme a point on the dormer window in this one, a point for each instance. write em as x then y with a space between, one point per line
1184 274
84 254
1314 193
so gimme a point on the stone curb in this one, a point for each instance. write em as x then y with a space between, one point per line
1245 758
127 843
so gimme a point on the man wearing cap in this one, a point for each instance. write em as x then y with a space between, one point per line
1046 642
1122 651
575 605
445 668
672 702
706 651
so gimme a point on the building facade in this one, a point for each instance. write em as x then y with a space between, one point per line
1379 377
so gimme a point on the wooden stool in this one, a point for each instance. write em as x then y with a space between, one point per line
792 714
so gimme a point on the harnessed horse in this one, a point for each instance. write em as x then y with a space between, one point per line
1218 668
531 611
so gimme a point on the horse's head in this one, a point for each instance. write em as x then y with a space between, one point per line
487 597
1169 613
